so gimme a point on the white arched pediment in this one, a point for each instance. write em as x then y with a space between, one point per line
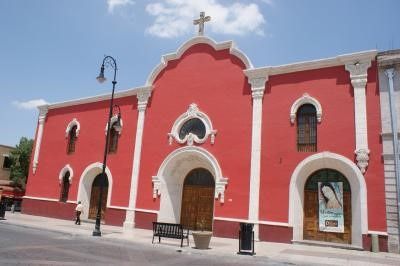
192 112
358 192
71 124
305 99
185 159
112 121
193 41
168 183
66 168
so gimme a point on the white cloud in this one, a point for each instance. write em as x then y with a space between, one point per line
112 4
174 17
32 104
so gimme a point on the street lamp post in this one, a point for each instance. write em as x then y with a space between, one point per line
108 61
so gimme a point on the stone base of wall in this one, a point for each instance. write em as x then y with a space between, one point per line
66 211
145 220
367 243
274 233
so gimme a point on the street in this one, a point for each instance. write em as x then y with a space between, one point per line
21 245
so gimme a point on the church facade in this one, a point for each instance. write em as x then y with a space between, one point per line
211 141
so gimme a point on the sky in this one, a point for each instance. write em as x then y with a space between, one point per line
51 50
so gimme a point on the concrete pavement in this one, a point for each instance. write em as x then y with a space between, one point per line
297 254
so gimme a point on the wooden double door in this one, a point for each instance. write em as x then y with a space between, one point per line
94 197
198 200
311 229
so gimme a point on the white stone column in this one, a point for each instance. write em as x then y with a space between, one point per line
143 95
42 117
257 93
358 76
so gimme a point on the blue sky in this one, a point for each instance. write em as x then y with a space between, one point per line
51 50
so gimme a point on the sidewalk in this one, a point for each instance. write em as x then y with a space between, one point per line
298 254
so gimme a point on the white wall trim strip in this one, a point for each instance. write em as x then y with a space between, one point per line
40 198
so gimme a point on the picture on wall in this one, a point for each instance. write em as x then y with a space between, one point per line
330 197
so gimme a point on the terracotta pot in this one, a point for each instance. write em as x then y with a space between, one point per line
202 239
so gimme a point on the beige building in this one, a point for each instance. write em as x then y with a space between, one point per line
5 162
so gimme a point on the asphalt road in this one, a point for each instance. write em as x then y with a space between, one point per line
26 246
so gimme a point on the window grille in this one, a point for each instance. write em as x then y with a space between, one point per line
72 140
307 129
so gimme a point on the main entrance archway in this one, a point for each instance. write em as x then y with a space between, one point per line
95 195
327 207
169 182
198 200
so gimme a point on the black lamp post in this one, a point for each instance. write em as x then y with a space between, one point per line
108 61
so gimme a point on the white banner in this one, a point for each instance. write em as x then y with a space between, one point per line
330 196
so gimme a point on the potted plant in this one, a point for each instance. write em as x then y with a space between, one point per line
202 238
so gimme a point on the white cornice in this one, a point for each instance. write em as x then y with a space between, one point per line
313 64
193 41
97 98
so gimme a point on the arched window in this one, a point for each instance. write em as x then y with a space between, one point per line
113 139
64 187
72 139
307 128
194 126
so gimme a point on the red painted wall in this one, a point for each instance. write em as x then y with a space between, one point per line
89 149
336 133
214 80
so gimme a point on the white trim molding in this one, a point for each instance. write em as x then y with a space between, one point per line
85 185
193 41
257 81
305 99
359 223
192 112
359 76
315 64
71 124
40 198
42 117
64 170
114 119
143 95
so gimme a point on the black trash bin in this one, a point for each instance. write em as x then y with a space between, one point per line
2 210
246 239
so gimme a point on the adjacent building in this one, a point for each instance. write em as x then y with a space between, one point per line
389 90
9 192
210 141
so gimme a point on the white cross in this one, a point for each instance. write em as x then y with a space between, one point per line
201 22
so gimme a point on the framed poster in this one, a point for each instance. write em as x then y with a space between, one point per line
330 198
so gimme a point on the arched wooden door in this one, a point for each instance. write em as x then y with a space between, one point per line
95 194
327 207
198 200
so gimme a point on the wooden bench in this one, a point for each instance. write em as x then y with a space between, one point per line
170 231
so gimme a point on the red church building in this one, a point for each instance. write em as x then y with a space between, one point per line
211 141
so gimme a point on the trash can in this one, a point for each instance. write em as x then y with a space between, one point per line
246 239
2 210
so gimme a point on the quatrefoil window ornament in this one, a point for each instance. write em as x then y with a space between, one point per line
191 127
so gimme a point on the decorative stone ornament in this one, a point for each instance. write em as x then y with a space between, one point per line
181 130
305 99
362 157
66 168
74 122
114 119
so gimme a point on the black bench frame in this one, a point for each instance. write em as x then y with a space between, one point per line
169 230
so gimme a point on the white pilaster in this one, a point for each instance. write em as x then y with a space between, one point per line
42 117
143 95
358 76
257 93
